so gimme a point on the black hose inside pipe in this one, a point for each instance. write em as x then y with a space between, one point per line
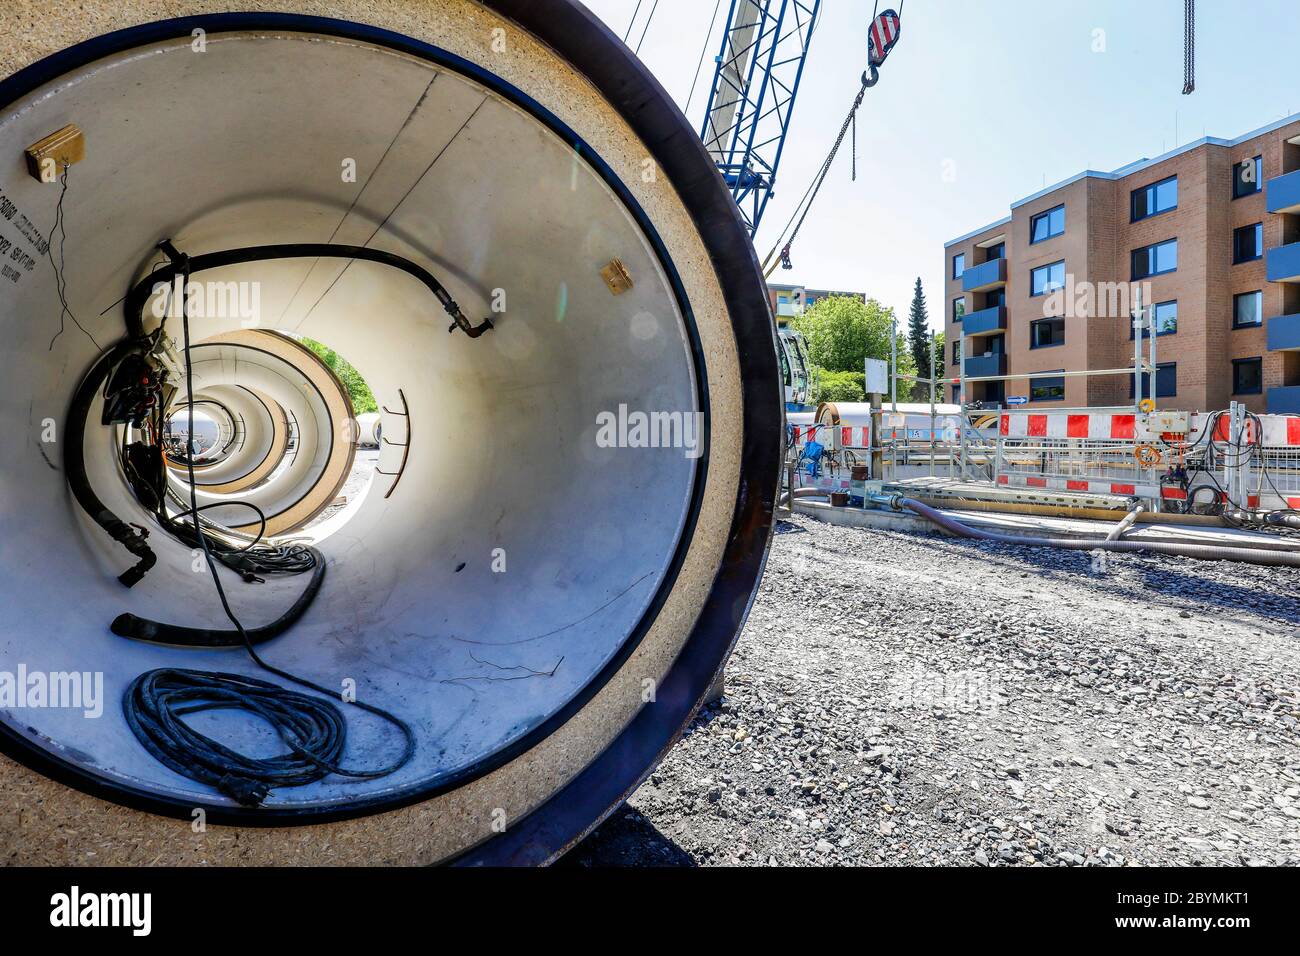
143 629
74 466
143 290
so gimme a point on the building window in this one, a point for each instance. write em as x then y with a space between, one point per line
1047 389
995 251
1164 317
956 394
956 354
1046 332
1046 278
1247 376
994 298
1155 260
1155 199
1166 381
958 265
958 308
1046 225
1247 177
1248 243
1247 310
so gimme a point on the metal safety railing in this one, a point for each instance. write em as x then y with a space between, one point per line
1233 461
1081 465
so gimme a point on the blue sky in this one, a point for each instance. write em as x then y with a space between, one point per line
1008 96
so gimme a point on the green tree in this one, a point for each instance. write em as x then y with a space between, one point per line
918 338
942 391
362 399
843 331
840 387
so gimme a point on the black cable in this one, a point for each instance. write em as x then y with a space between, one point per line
74 466
647 28
248 558
703 52
156 632
143 290
314 729
60 270
631 23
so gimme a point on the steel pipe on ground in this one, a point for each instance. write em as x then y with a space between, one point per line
1199 551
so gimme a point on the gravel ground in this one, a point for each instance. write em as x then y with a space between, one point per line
919 700
363 469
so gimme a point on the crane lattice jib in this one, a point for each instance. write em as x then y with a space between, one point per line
759 68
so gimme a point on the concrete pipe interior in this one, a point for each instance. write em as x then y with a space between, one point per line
284 432
519 562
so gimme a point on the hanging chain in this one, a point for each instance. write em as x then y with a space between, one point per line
849 121
1189 46
854 174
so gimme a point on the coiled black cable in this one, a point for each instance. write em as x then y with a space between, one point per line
313 729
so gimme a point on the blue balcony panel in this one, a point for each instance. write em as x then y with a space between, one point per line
1283 263
985 276
1282 193
986 321
1283 333
1284 400
981 366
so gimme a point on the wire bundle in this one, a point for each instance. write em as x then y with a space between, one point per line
1243 451
250 557
313 728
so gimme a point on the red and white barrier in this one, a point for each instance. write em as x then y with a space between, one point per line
854 436
842 436
1280 431
1096 486
1107 426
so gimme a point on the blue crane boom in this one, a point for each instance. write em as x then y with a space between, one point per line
764 48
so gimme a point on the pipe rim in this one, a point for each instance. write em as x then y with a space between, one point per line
583 41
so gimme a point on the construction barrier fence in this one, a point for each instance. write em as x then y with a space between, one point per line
1178 461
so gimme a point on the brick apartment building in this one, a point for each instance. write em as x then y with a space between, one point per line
1211 230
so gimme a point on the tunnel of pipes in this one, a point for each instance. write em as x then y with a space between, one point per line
526 567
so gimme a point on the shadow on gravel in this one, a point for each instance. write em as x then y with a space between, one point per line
786 527
627 838
703 717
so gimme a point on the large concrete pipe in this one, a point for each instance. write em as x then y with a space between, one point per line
370 430
242 369
540 596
